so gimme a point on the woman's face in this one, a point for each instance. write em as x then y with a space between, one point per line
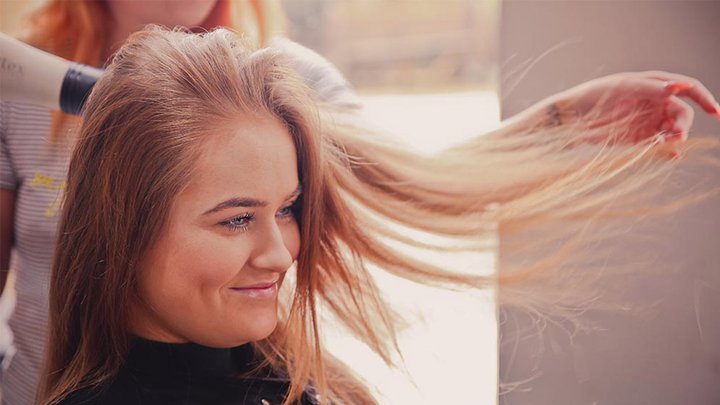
213 274
187 13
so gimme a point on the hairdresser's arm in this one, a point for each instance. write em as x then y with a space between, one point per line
7 214
539 116
328 84
646 103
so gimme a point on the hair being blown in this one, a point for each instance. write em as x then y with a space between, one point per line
150 111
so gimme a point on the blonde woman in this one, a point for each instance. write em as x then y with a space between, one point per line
36 144
189 201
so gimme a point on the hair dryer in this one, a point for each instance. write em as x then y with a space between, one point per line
33 76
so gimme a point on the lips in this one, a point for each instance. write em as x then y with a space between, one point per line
259 291
258 286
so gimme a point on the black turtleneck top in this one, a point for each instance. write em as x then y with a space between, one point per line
157 373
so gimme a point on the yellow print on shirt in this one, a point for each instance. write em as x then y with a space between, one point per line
42 180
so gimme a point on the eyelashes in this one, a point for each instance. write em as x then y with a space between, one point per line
242 222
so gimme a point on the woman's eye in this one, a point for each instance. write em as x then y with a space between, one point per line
285 212
240 223
289 212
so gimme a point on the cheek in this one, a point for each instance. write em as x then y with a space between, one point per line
193 265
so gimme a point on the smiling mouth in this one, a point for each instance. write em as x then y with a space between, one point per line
266 291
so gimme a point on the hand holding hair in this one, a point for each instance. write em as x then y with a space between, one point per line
632 107
327 83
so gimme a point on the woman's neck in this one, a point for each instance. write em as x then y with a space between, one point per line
119 32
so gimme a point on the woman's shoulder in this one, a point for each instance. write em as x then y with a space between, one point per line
261 393
85 396
107 395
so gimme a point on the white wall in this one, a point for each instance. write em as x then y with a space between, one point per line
669 354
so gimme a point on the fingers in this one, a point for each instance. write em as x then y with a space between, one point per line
675 127
686 86
679 119
646 87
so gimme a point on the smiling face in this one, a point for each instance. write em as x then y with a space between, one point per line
212 276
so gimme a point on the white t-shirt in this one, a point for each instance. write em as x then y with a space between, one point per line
36 170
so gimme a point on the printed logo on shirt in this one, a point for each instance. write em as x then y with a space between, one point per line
47 182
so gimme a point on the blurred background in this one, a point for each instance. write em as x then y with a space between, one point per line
402 45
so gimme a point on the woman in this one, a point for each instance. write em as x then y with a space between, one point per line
189 201
36 144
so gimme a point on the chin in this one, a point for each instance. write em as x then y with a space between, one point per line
245 332
261 329
248 330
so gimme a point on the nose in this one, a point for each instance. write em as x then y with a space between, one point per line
271 252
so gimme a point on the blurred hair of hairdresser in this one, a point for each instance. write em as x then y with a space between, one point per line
36 145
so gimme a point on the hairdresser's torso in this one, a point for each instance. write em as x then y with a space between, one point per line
36 170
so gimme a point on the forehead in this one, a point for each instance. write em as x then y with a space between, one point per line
252 156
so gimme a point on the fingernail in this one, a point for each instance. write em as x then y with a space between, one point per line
677 87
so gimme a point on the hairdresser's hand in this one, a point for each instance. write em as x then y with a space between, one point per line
324 79
632 107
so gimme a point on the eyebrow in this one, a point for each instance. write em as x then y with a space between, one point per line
236 202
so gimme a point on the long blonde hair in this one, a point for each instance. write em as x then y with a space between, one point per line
138 143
